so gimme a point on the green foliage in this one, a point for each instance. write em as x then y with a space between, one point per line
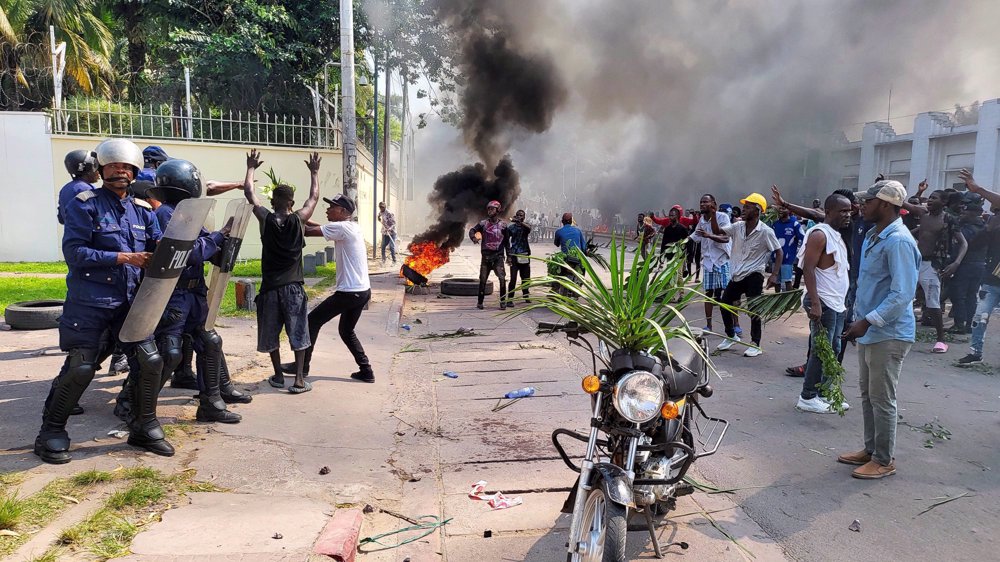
273 181
11 508
774 306
140 494
91 477
833 372
641 308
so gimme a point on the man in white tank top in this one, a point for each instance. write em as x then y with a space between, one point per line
825 265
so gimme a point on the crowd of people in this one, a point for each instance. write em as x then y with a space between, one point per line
110 240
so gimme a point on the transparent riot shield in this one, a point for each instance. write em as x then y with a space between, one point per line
239 212
166 265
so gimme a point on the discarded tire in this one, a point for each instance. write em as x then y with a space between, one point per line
464 287
34 315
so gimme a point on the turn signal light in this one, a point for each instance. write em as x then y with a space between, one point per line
671 410
591 384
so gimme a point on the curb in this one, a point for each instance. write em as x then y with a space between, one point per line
339 539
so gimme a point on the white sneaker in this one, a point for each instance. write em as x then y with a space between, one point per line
844 404
753 351
727 343
815 405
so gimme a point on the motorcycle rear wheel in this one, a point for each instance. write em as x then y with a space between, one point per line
603 529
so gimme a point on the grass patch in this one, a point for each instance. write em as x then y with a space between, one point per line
177 430
17 289
92 477
10 479
38 510
11 508
140 494
108 533
33 267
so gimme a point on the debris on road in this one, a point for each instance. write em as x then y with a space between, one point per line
277 536
406 326
410 348
118 433
417 321
450 374
324 471
368 509
855 526
488 533
459 333
495 501
945 500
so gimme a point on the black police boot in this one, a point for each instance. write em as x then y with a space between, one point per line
77 410
52 443
184 377
211 407
144 429
229 393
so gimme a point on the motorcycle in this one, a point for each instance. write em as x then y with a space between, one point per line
647 428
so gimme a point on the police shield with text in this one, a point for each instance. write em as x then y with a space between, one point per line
187 310
107 241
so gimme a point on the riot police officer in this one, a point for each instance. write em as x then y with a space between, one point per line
187 309
108 239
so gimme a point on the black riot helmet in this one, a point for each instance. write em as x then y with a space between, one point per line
176 180
79 162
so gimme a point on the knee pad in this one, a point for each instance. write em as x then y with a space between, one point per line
211 340
171 350
149 359
81 365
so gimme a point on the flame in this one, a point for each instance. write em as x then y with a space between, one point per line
426 257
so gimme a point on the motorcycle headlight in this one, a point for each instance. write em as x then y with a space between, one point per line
638 396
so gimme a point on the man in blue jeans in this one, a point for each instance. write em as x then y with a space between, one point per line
989 294
388 222
824 263
885 327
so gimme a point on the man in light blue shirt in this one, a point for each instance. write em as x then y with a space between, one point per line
884 325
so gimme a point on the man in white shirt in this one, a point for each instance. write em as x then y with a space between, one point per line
714 253
353 286
753 241
825 266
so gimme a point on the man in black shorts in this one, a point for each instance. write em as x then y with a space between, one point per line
282 299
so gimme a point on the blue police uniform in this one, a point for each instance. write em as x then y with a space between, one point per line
68 192
186 313
99 225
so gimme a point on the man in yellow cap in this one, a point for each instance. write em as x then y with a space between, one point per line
753 243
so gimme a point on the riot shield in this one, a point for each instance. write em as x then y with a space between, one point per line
166 265
239 212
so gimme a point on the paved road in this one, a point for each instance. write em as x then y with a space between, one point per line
412 444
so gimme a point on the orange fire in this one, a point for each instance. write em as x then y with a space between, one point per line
426 257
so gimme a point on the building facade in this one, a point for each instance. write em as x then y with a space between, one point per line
936 150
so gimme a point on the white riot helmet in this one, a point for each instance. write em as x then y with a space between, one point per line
120 150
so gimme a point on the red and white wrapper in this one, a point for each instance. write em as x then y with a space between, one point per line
495 501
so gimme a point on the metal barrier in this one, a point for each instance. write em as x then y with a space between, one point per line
104 119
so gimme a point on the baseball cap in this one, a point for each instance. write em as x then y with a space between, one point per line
887 190
341 200
756 198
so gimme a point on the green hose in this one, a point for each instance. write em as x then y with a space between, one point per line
427 529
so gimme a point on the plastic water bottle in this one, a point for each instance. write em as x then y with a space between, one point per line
521 392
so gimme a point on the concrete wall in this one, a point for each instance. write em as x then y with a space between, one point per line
31 160
28 226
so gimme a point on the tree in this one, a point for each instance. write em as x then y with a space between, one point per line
26 67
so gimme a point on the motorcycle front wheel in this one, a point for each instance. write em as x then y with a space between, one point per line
602 529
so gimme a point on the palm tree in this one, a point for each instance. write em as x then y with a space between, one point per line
24 30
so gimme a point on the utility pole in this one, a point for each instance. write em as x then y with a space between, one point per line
386 133
375 159
403 173
349 141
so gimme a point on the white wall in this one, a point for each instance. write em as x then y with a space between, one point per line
28 227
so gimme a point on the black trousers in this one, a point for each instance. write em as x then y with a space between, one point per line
518 268
347 305
752 286
492 262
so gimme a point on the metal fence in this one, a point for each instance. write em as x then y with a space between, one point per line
165 121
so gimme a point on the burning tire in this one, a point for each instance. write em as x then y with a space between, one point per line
34 315
464 287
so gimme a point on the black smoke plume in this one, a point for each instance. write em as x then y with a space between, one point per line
460 198
508 89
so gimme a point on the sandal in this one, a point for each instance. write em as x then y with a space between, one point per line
940 347
277 381
300 389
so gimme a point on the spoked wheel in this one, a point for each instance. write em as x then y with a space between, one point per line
602 529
